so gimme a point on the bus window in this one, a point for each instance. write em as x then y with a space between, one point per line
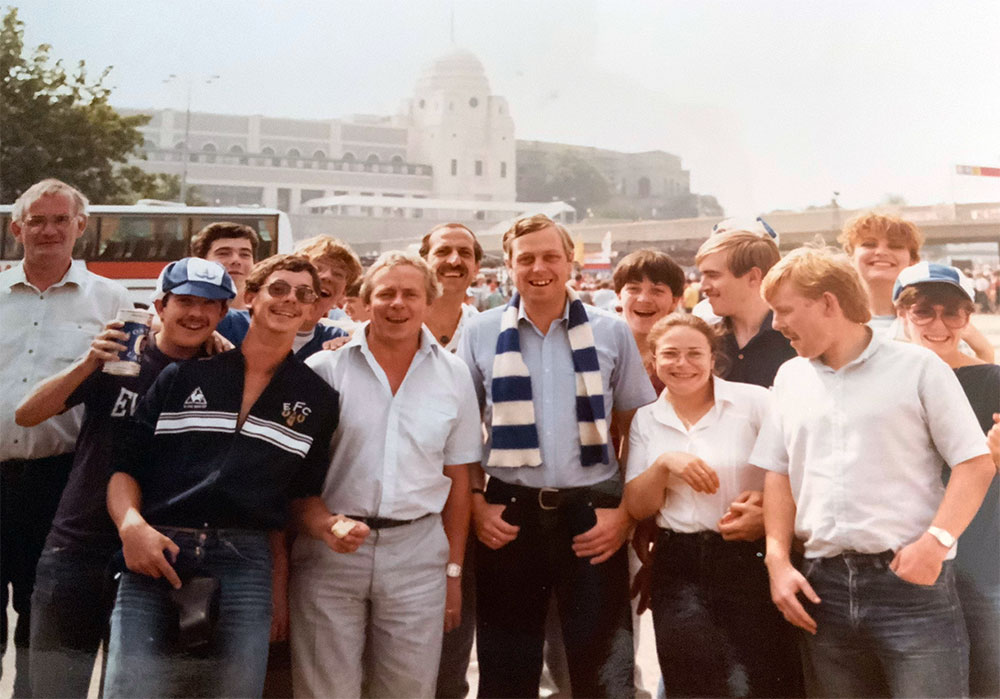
266 227
136 238
11 249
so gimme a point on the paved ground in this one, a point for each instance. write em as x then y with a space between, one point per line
646 657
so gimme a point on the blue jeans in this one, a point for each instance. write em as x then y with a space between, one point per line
144 660
71 607
878 635
981 607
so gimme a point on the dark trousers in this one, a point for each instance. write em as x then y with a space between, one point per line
515 583
71 612
717 632
29 496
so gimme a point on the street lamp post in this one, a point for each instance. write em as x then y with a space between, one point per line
187 127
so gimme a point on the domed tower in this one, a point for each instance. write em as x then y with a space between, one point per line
462 131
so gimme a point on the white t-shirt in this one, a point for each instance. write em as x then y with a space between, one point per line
723 438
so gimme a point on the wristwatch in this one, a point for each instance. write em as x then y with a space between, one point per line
453 570
942 535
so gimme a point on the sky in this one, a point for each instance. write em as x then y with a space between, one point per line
771 104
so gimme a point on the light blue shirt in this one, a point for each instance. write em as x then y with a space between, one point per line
553 390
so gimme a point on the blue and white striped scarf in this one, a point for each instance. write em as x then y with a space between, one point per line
515 435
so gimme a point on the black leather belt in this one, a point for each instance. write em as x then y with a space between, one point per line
384 522
542 498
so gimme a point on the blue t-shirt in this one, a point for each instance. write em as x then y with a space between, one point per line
234 325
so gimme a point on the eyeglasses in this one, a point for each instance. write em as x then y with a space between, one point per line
60 221
279 289
954 318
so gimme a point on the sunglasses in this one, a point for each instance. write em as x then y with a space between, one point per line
279 289
954 318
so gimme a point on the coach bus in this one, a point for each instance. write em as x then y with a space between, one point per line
133 243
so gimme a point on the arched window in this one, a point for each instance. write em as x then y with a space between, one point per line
643 187
238 154
320 158
209 149
292 157
397 163
179 150
348 157
371 162
270 159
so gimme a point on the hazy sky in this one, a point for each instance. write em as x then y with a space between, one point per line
771 104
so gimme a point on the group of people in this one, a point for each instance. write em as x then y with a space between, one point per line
806 466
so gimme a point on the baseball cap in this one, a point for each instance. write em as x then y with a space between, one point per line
194 276
933 273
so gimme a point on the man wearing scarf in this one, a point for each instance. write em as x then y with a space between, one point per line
551 375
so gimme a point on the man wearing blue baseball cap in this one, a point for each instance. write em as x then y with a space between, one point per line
204 474
74 588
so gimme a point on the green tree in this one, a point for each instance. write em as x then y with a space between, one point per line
58 123
568 177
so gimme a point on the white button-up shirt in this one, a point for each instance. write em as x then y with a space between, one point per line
41 333
863 446
723 438
389 451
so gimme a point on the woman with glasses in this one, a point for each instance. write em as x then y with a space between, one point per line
934 302
717 632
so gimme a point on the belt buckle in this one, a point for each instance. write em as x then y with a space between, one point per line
541 498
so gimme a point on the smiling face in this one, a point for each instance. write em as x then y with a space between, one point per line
49 229
683 360
802 320
725 291
235 254
540 268
879 260
188 321
935 320
282 314
645 302
452 257
398 304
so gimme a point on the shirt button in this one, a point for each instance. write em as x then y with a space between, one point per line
30 351
35 323
41 297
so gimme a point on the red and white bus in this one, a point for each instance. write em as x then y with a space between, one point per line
133 243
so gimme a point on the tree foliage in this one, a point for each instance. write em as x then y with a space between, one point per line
58 123
568 177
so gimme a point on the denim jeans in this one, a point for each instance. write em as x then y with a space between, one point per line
717 632
878 635
144 660
981 608
71 609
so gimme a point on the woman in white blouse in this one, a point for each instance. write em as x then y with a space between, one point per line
717 632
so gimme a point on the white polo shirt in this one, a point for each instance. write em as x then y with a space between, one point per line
863 446
41 333
389 451
723 438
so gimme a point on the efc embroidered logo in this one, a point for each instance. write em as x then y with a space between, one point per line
295 412
196 399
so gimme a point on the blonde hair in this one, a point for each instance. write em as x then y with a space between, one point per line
815 271
892 228
394 258
324 249
747 249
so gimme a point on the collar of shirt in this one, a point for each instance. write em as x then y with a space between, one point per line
664 412
76 274
765 325
875 342
360 340
523 315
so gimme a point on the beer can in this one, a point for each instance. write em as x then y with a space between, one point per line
136 326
